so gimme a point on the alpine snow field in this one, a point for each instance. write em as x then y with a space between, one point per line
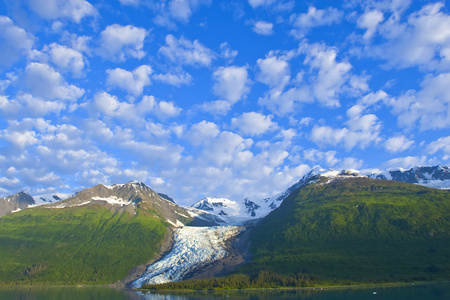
95 237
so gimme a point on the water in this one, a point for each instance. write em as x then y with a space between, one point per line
416 292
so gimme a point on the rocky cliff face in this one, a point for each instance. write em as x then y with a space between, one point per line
134 197
15 202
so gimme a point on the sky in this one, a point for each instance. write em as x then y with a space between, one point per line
214 98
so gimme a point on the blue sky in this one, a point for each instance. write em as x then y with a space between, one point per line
218 98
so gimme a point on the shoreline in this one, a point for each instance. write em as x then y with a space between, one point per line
318 288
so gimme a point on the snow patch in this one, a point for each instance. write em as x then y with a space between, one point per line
113 200
194 247
176 224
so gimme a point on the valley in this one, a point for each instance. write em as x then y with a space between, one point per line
331 227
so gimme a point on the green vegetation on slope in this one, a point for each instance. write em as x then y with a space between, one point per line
78 245
263 279
357 229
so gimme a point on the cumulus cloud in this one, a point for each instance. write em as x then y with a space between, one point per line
19 138
117 43
169 12
253 123
224 148
110 105
202 131
232 83
317 156
273 71
441 144
173 79
370 21
404 162
324 81
398 144
313 18
67 59
362 130
14 42
184 52
25 105
133 82
263 28
423 40
44 82
74 10
330 76
217 107
429 107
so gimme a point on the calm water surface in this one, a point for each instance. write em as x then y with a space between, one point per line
416 292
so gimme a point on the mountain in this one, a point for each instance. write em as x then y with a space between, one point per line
15 202
23 200
342 226
435 176
95 237
50 198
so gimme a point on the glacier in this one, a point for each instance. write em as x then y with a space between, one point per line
194 247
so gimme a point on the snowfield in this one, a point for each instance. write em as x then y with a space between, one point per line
194 247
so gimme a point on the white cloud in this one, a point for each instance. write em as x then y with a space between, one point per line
44 82
326 79
350 163
274 71
404 162
227 53
314 18
232 83
217 107
185 52
370 21
55 9
330 76
430 106
20 139
424 40
224 148
398 144
117 42
263 28
362 131
253 124
441 144
173 79
67 59
316 156
133 82
109 105
25 105
167 109
257 3
130 2
14 42
202 132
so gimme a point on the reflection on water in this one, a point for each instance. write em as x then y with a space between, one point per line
416 292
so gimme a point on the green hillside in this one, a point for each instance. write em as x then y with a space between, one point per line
90 244
357 229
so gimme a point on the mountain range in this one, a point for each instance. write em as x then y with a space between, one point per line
345 225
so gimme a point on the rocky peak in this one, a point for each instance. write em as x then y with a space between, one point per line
15 202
